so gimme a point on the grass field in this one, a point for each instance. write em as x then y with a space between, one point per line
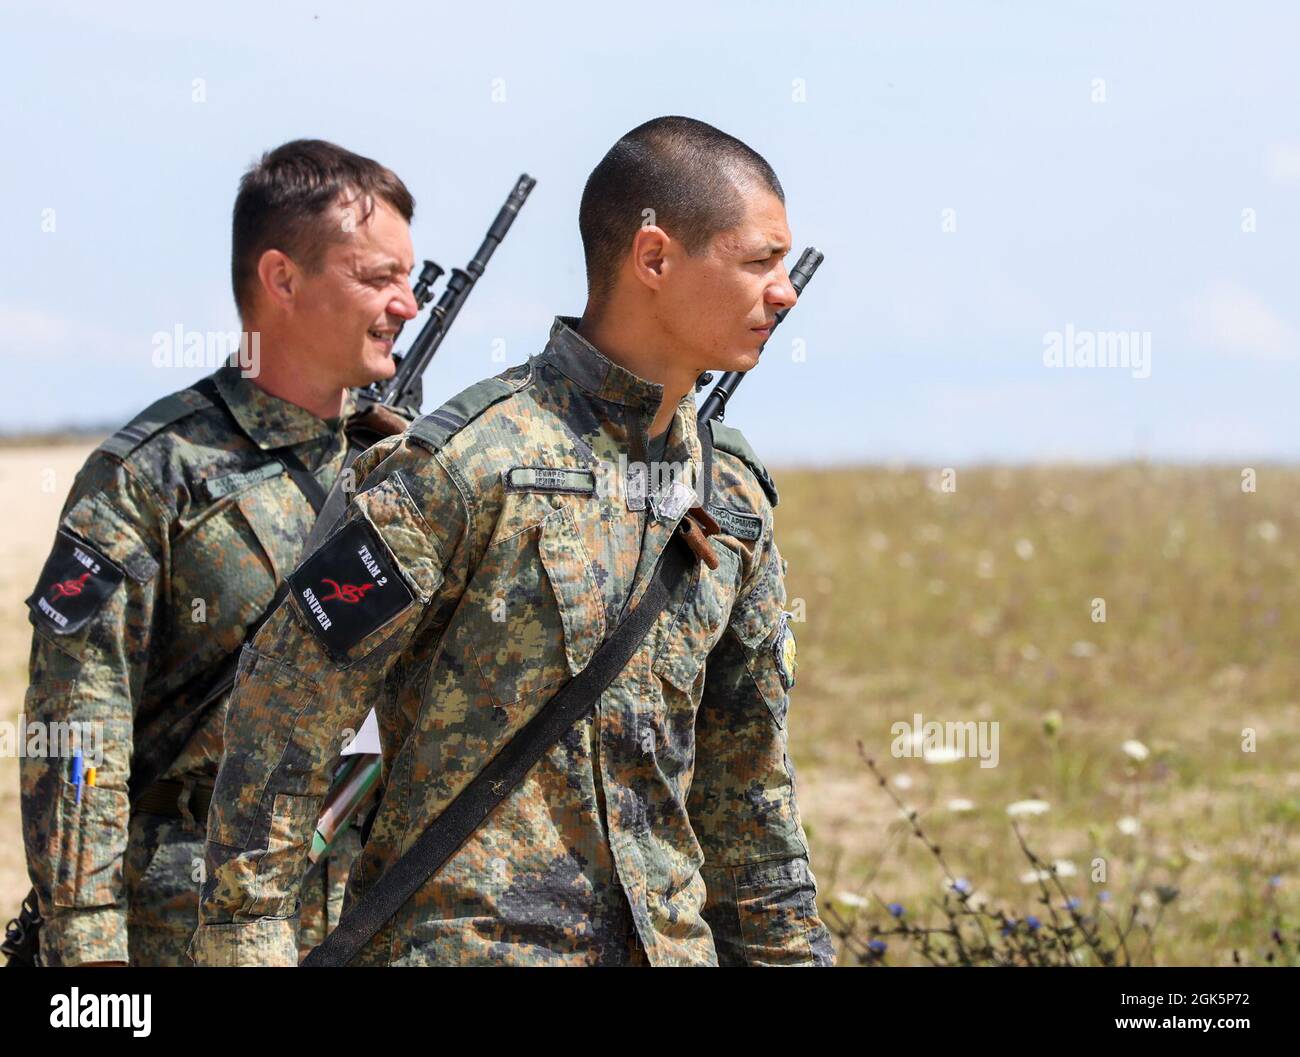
972 599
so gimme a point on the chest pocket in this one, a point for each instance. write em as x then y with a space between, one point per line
699 622
235 556
533 615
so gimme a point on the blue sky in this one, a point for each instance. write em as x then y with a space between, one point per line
1097 160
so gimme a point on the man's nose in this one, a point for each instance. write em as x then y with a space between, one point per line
782 292
404 303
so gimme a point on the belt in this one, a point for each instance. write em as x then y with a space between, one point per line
164 798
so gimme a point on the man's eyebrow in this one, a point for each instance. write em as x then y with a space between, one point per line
386 264
771 247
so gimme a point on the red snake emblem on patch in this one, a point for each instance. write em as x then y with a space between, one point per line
69 588
350 593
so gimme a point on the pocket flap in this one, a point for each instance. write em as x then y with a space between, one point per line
758 612
701 621
568 568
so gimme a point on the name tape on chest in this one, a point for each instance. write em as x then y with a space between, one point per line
735 523
550 479
349 588
75 582
216 487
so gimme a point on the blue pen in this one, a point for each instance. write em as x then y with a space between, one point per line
77 774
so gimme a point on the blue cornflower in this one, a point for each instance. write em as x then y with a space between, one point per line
878 946
897 909
1033 923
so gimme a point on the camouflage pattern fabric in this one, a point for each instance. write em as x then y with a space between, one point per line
171 543
322 893
478 568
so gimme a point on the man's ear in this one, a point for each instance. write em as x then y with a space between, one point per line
278 277
652 249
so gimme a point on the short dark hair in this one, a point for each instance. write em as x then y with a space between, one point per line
690 173
284 200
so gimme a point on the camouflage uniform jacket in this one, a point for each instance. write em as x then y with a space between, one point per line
172 541
481 563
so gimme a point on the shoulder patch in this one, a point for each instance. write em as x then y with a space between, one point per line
437 427
153 420
75 582
349 588
734 443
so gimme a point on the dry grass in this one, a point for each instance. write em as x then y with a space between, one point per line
977 605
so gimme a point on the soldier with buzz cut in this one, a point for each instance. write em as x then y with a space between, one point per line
470 587
172 542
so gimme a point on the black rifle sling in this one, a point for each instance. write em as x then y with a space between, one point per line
458 821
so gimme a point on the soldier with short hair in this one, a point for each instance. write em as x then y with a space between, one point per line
488 553
172 542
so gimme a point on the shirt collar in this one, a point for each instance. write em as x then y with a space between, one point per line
581 362
269 421
595 374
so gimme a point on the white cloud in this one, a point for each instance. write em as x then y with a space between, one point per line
1235 320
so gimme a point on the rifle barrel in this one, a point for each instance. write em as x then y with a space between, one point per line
459 284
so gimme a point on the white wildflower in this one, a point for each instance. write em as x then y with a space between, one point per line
1028 807
1135 749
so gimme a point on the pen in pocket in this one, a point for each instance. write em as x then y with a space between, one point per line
77 773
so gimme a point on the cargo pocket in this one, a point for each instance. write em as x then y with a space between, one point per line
275 696
91 837
777 909
698 623
533 615
293 822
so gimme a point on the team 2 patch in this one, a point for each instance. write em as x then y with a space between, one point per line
74 584
349 588
550 479
734 523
